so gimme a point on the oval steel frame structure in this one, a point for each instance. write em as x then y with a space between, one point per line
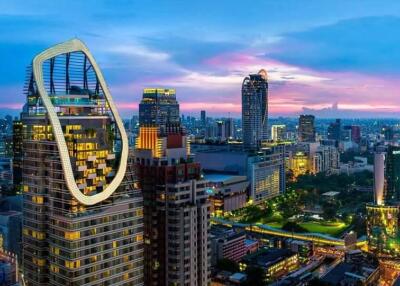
76 45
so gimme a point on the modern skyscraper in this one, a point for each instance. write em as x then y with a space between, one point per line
82 212
203 118
306 128
255 110
392 193
159 108
176 207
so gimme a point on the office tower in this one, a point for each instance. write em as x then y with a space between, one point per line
392 193
203 118
159 108
306 128
278 132
176 207
379 177
335 130
82 210
229 128
255 110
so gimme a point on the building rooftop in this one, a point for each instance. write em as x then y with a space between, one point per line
331 194
223 178
266 257
348 271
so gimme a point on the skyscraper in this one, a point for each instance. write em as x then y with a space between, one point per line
306 128
203 118
176 207
392 193
255 110
82 210
158 108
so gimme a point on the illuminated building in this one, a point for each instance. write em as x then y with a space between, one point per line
255 110
278 132
266 173
176 209
313 158
158 107
306 131
392 193
379 178
227 192
228 244
299 164
383 230
275 262
82 210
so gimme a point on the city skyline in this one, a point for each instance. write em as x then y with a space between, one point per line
320 63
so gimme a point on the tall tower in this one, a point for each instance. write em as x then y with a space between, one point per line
159 108
379 177
82 210
306 128
176 207
255 110
392 193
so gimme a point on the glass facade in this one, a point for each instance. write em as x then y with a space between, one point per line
255 110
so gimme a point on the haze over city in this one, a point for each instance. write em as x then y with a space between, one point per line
328 58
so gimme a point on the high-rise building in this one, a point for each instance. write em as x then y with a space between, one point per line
335 130
266 174
255 110
203 118
278 132
82 210
159 108
392 193
306 128
176 207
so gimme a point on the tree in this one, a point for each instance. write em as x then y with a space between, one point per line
228 265
294 227
255 276
329 210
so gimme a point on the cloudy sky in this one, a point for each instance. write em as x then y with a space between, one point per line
334 58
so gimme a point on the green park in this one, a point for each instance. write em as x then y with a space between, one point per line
321 203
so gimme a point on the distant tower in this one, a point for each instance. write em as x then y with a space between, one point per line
255 110
203 117
306 128
379 177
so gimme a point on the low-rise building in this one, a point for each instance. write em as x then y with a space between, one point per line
275 262
227 192
228 244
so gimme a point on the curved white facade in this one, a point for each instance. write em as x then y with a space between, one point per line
76 45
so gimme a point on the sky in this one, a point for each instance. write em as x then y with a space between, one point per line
338 58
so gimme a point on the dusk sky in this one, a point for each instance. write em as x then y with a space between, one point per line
332 58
